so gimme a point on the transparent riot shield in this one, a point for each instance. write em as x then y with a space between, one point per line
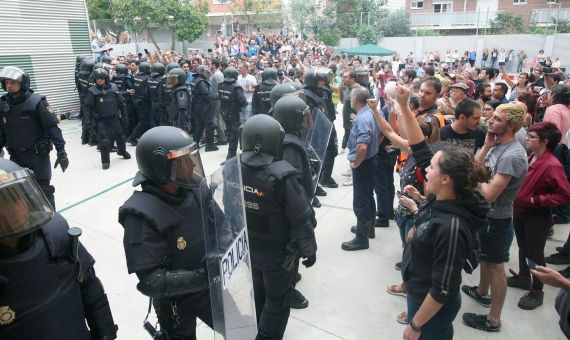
317 140
228 259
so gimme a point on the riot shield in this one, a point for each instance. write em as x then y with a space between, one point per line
228 260
317 140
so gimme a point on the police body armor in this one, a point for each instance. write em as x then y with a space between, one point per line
198 104
85 82
268 226
180 227
140 82
314 100
261 98
106 101
40 288
23 129
230 107
300 147
121 82
154 88
180 107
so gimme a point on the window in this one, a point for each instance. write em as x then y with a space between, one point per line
443 7
519 2
417 4
552 2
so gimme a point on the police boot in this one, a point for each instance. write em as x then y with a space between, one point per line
360 241
211 147
371 233
124 154
316 203
299 300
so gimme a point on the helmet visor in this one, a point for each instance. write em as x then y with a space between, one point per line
23 205
308 123
186 169
13 73
171 80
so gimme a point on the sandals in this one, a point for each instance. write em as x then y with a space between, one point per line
402 318
397 290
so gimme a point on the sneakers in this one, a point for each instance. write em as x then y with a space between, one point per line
558 258
531 300
517 281
347 173
480 322
472 292
320 191
347 183
328 183
299 300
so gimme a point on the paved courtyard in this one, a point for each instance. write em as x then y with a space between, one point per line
346 290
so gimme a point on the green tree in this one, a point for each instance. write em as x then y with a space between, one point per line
303 14
329 35
99 9
507 23
267 13
349 15
367 35
395 24
185 19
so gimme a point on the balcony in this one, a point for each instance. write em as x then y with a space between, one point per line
456 20
543 16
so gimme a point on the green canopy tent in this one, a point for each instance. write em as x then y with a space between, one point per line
368 50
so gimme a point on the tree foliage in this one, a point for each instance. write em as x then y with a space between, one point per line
507 23
99 9
367 35
349 15
303 14
395 24
259 12
185 19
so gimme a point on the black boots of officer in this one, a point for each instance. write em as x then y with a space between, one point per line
105 153
372 233
360 241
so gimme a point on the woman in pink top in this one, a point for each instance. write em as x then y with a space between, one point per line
558 112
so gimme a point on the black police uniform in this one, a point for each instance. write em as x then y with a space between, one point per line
163 234
180 108
85 81
276 208
155 82
124 82
233 101
202 110
295 152
105 105
27 130
46 294
141 105
322 98
261 102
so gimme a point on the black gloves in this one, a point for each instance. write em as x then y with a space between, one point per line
309 261
62 161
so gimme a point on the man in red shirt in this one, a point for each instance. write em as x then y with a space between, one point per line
545 186
383 79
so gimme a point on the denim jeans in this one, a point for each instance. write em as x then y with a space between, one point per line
440 326
384 185
363 190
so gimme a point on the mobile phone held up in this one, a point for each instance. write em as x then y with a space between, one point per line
530 263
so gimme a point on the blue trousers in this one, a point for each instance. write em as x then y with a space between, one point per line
363 190
440 327
384 185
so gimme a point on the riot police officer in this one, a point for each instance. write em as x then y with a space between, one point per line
154 90
202 107
261 102
28 128
232 101
164 237
104 104
280 222
294 116
166 95
48 285
318 94
124 82
85 81
140 102
179 110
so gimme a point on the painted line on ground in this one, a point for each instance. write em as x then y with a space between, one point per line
73 205
317 327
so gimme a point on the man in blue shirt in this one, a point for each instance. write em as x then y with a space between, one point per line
362 148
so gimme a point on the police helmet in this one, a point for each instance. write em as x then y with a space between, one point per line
158 69
144 68
79 59
316 74
167 154
106 59
203 70
261 140
176 77
230 75
362 76
269 76
293 114
86 66
171 66
23 206
285 89
98 65
16 74
121 70
101 73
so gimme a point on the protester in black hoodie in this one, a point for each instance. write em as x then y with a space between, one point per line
444 237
